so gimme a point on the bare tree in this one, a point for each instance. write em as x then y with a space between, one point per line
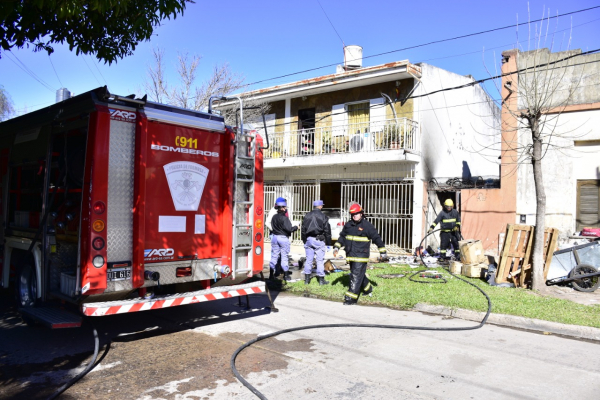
6 105
155 84
188 94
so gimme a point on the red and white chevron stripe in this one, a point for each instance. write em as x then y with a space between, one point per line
127 306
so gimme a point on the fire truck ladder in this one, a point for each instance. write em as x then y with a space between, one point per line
243 199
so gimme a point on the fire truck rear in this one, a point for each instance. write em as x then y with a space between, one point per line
116 204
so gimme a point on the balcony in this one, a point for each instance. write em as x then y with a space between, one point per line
366 137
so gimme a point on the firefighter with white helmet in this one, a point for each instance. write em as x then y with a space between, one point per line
356 237
450 228
282 229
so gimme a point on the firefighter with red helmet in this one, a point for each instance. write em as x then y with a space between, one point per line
356 237
450 229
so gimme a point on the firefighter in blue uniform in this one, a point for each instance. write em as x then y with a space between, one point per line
280 242
450 229
316 234
356 237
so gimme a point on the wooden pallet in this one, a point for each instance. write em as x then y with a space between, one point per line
516 256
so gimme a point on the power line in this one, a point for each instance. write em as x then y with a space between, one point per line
94 75
476 82
342 40
54 69
429 43
98 69
504 45
28 71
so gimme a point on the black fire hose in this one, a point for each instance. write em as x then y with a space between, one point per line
438 280
84 372
307 327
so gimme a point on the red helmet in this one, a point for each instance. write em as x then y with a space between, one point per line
355 208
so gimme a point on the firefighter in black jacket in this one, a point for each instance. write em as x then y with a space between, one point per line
356 238
450 219
316 234
280 242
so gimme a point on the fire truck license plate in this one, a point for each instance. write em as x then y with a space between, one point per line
118 274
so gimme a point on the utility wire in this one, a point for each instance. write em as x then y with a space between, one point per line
93 74
429 43
54 69
342 40
28 71
98 69
473 83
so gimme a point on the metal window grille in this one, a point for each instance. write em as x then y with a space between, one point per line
299 198
388 206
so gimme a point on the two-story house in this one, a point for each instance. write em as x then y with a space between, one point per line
375 135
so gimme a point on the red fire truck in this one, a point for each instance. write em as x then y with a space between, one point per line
116 204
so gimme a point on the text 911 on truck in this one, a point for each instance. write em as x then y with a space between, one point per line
116 204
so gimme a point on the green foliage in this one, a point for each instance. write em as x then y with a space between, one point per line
401 293
110 29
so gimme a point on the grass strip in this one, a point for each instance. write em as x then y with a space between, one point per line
400 293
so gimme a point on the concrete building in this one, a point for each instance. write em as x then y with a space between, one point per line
375 135
571 164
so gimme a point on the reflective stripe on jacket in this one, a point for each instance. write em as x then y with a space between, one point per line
448 219
356 238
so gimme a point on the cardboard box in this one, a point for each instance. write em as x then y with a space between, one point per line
471 252
474 270
456 267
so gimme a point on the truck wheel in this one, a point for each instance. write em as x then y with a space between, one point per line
586 284
26 287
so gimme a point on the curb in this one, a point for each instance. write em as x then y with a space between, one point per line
575 331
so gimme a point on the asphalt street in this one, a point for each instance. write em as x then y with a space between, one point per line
184 353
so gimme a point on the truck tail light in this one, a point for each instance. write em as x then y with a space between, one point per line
98 225
99 207
340 224
183 271
98 243
98 261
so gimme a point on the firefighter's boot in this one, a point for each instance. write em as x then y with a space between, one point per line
322 281
307 278
349 301
271 274
287 275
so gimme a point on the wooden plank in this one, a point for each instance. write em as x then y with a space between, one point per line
550 250
501 272
527 256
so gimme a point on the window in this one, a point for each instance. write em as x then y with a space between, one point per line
588 204
358 117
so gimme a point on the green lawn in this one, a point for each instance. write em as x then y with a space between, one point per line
400 293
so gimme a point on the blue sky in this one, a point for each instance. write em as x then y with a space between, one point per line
264 39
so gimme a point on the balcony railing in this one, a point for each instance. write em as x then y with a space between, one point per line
390 134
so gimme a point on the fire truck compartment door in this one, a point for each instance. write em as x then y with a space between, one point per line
184 193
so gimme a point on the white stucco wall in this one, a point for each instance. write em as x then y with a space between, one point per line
460 128
575 155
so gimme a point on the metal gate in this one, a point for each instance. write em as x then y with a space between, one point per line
299 196
388 206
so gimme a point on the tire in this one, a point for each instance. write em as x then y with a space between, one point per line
26 289
586 284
